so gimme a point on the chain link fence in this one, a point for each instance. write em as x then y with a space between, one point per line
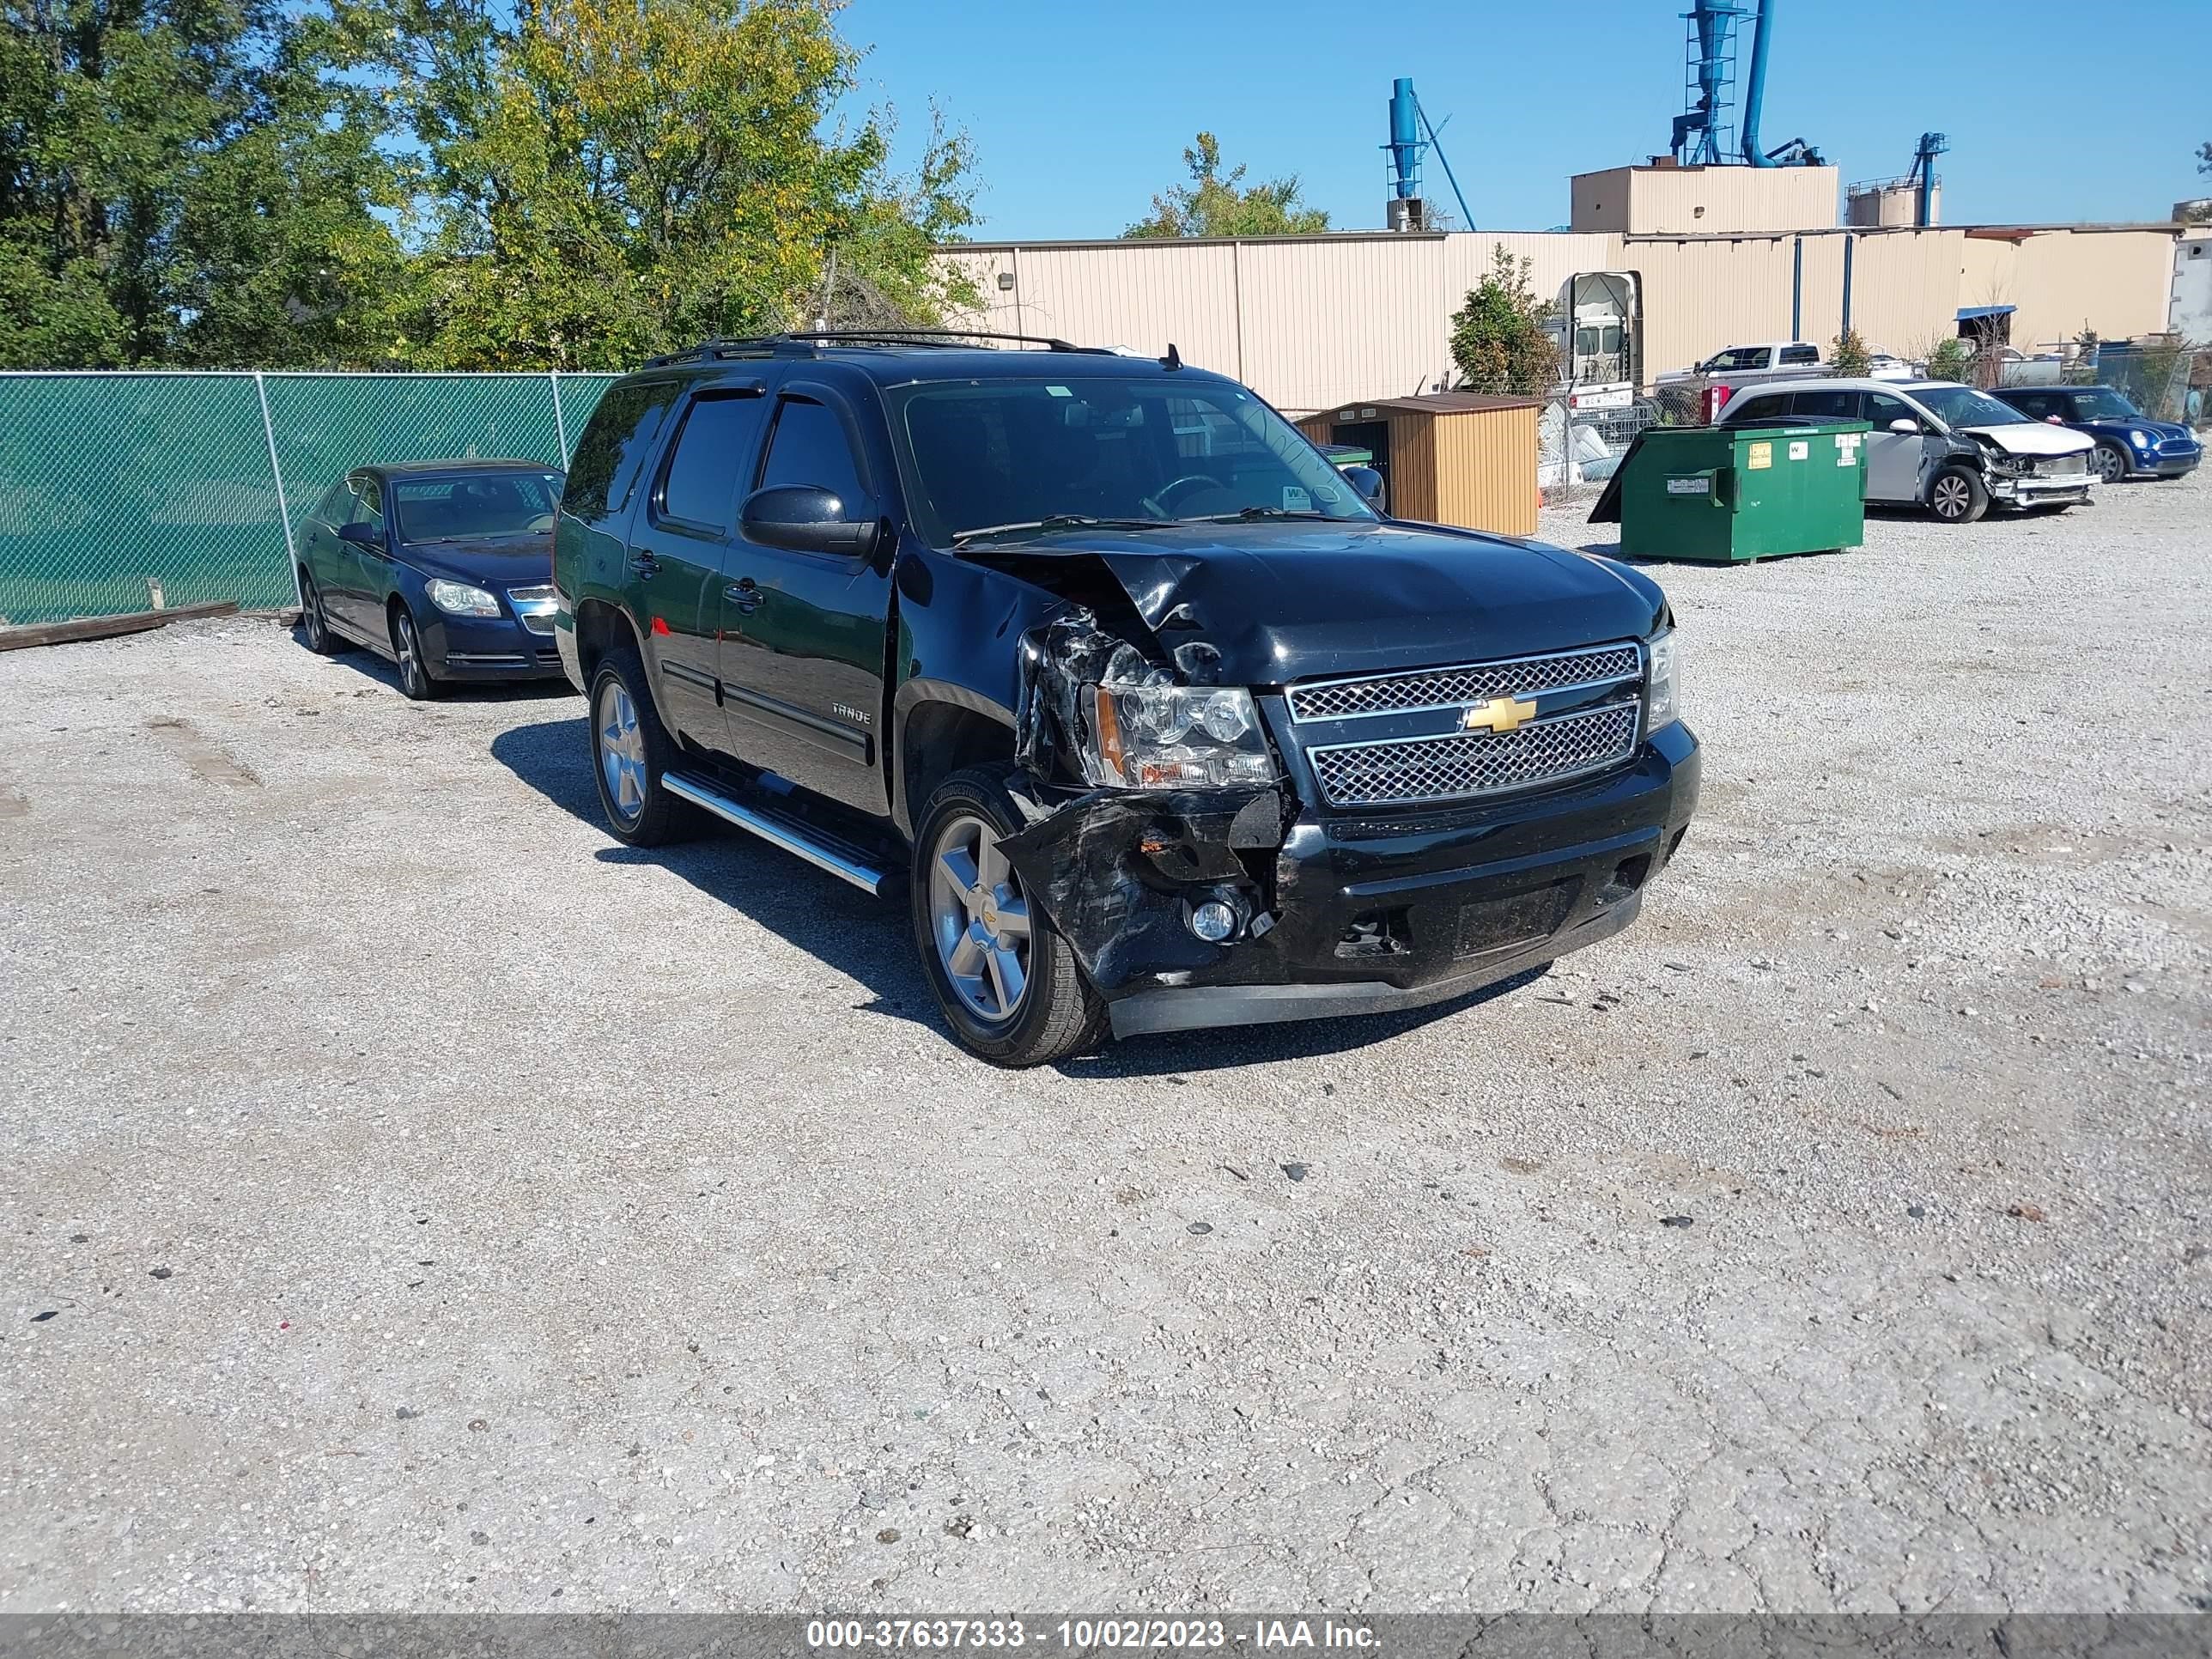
113 484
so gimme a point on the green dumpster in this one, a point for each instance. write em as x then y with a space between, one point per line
1726 493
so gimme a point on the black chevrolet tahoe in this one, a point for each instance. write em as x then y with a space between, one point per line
1158 722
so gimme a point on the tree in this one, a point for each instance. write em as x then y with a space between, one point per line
182 181
1498 338
1213 204
1951 359
1848 355
608 178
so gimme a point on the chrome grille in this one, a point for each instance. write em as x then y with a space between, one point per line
535 606
1445 688
1460 765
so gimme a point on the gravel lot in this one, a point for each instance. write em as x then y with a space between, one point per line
415 1200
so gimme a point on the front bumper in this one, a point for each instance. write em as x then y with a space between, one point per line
486 648
2168 463
2028 489
1367 916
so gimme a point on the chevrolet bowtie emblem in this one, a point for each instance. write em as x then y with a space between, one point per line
1499 714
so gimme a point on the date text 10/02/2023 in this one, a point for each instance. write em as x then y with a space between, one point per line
1085 1635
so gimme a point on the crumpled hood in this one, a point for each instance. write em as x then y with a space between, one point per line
500 562
2032 438
1286 601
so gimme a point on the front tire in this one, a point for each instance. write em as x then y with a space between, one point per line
630 751
315 625
2110 463
1009 985
1958 495
414 677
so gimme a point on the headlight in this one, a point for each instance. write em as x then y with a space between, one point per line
1663 681
460 599
2142 441
1163 736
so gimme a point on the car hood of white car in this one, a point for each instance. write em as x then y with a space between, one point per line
2032 438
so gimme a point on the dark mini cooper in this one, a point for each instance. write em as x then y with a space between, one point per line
2129 444
444 566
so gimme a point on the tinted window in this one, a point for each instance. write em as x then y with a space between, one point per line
337 502
1742 411
1826 406
1881 409
615 442
712 453
367 502
809 447
465 505
2040 405
1801 354
1741 358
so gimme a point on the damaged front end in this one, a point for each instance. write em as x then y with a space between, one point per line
1155 802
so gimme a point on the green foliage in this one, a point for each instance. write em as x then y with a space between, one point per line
1214 204
446 184
182 181
1848 357
1951 359
1498 338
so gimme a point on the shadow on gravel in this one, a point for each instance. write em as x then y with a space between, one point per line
869 941
369 666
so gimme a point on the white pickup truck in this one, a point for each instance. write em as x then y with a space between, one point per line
1739 365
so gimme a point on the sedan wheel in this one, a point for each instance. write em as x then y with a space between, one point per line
980 920
414 673
2112 464
314 627
622 752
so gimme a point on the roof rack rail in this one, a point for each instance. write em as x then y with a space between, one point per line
812 342
939 337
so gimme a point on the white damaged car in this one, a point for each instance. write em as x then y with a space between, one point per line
1937 445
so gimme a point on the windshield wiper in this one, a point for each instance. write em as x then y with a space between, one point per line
1058 521
1250 513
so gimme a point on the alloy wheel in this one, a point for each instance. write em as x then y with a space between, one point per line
2111 466
1952 498
980 920
622 752
413 680
311 614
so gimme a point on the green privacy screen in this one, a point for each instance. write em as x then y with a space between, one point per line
110 480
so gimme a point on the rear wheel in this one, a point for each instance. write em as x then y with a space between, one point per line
1009 985
630 752
414 676
1958 495
314 625
2110 462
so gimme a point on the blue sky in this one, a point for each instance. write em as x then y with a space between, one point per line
1080 109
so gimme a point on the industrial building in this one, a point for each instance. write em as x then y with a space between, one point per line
1732 242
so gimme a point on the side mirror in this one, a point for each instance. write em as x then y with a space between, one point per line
806 519
1905 429
362 535
1367 482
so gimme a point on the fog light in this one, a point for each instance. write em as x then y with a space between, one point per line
1212 921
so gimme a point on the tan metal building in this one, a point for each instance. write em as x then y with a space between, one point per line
1448 457
1311 321
1666 199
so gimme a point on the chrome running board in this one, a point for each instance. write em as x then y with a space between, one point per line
824 851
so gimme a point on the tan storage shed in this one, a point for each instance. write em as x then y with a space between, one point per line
1456 458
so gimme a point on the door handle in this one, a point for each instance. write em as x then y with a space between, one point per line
746 595
645 564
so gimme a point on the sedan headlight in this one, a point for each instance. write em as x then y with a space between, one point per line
1163 736
1663 681
460 599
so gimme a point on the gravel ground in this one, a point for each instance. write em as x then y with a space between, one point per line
415 1200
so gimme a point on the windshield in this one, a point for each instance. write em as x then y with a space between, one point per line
2101 403
1961 405
466 505
1016 455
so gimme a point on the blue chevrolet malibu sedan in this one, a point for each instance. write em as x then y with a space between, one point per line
2129 444
445 567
